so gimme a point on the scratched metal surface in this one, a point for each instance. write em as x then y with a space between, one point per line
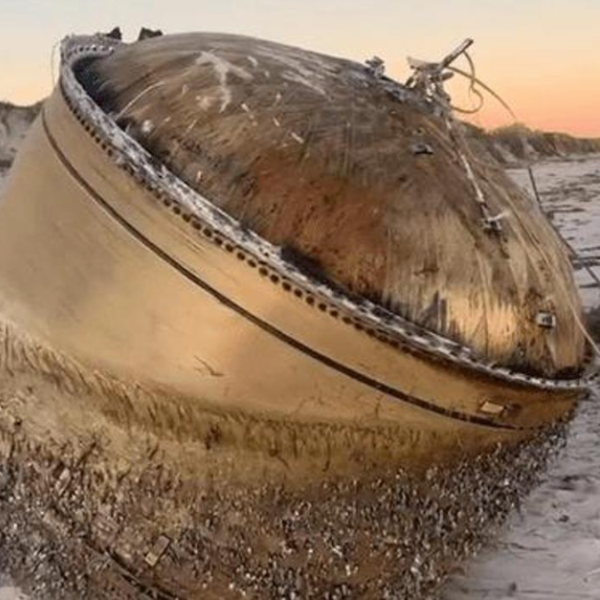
313 153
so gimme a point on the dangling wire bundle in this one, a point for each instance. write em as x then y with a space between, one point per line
429 80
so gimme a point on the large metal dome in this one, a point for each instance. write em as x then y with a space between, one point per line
241 283
357 180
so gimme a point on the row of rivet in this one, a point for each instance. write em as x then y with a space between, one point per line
267 271
263 269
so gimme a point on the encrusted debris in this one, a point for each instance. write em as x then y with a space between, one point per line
394 536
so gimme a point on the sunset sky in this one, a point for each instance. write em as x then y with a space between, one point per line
542 56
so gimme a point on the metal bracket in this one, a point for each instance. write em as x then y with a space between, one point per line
546 320
376 67
158 551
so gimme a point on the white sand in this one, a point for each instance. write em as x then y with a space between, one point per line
10 593
551 550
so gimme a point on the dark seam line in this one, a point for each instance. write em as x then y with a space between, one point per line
349 372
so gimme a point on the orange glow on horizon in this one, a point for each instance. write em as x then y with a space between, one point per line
541 56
